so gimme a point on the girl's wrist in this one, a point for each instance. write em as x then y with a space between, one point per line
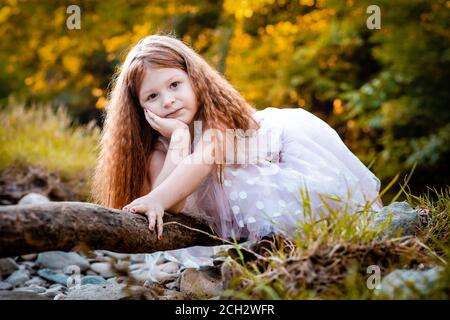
180 139
155 196
180 132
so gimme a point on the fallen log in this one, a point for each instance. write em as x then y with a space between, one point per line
67 225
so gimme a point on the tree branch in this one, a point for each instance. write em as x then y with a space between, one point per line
65 225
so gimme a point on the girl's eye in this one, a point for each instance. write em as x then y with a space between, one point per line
175 84
152 96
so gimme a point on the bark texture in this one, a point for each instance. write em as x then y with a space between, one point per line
66 225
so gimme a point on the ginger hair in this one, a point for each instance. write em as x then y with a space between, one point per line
121 174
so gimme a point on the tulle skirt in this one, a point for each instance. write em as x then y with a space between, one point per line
296 165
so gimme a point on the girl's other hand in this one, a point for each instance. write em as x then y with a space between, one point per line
150 208
165 126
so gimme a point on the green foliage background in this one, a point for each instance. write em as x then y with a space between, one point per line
385 91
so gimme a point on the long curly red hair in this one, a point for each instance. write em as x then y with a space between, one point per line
127 139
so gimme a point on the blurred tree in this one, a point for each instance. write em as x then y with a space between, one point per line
41 59
385 91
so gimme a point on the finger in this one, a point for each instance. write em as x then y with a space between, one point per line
153 116
160 226
151 221
131 204
127 207
150 119
138 208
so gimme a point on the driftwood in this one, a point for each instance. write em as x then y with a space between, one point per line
67 225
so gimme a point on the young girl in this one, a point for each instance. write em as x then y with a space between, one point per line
172 141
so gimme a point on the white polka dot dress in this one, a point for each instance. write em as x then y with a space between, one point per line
293 151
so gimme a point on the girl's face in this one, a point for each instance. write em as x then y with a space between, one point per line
168 93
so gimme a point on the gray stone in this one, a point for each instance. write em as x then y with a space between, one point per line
138 257
169 267
21 295
53 276
32 288
92 280
109 291
5 285
28 265
33 198
143 272
405 219
18 277
36 281
60 296
201 283
53 292
7 266
408 284
103 269
174 295
174 285
59 260
29 257
116 255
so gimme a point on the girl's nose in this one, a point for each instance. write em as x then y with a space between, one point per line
168 101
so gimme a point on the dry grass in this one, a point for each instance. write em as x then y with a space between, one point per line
44 137
330 256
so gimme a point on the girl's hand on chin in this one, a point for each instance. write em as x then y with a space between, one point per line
152 209
165 126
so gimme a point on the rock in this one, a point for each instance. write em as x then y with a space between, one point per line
174 285
36 281
408 284
103 269
143 272
5 285
170 267
99 257
108 291
33 198
52 292
17 182
138 257
150 269
60 296
174 295
7 266
59 260
28 265
201 283
54 276
21 295
32 288
116 255
92 280
405 219
29 257
230 269
18 277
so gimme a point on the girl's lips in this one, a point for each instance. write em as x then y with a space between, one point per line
174 113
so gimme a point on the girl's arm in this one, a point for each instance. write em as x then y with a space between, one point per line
183 180
162 165
186 176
